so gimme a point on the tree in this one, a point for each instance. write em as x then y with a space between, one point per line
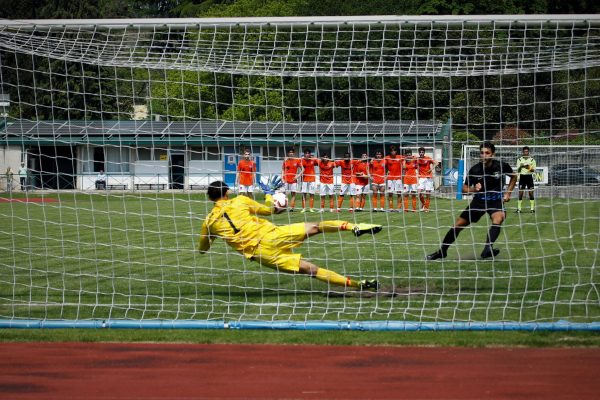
459 139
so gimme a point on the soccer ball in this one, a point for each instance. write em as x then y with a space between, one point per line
280 201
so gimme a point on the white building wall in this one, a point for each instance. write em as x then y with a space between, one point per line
201 173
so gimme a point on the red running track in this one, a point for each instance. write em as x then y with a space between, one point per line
188 371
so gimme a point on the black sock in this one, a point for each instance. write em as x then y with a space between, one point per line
450 237
493 234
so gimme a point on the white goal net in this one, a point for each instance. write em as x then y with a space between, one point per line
111 131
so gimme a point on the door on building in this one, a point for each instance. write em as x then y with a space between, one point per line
52 167
177 170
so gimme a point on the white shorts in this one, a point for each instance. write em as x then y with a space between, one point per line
380 187
308 187
361 189
410 188
347 188
327 189
290 187
425 184
245 189
394 186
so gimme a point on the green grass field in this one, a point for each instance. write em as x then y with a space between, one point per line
132 256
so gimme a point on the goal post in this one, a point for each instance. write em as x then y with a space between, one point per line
111 131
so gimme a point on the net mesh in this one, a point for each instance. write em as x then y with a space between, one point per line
166 107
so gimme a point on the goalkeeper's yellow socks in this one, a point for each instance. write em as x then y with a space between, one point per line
519 204
334 278
532 204
335 226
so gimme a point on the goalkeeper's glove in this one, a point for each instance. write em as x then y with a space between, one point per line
271 185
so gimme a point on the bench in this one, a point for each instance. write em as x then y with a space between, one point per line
116 187
150 186
197 187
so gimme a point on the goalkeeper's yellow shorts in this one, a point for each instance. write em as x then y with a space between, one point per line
275 248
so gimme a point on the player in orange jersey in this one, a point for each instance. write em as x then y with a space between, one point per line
309 178
326 167
393 163
246 172
377 173
410 180
425 185
361 182
347 186
291 170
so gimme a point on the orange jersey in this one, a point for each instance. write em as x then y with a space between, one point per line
309 174
247 169
347 167
410 171
377 171
394 167
425 164
326 171
290 168
361 173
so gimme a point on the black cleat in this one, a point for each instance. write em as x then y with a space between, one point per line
370 284
436 256
489 252
518 211
361 229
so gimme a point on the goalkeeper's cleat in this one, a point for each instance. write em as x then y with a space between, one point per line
361 229
437 255
368 284
489 252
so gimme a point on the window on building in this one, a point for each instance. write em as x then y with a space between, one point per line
116 159
205 153
108 158
213 153
273 152
339 152
196 153
151 153
144 154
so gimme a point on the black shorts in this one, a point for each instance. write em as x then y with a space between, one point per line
526 182
478 208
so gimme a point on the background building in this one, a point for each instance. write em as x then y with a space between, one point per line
188 155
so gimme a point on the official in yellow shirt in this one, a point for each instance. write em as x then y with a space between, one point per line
235 221
526 166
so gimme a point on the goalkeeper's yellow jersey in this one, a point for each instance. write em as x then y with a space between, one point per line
526 166
235 221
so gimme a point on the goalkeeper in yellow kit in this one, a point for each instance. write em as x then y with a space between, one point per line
235 221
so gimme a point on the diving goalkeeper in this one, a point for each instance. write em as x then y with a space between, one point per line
235 221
